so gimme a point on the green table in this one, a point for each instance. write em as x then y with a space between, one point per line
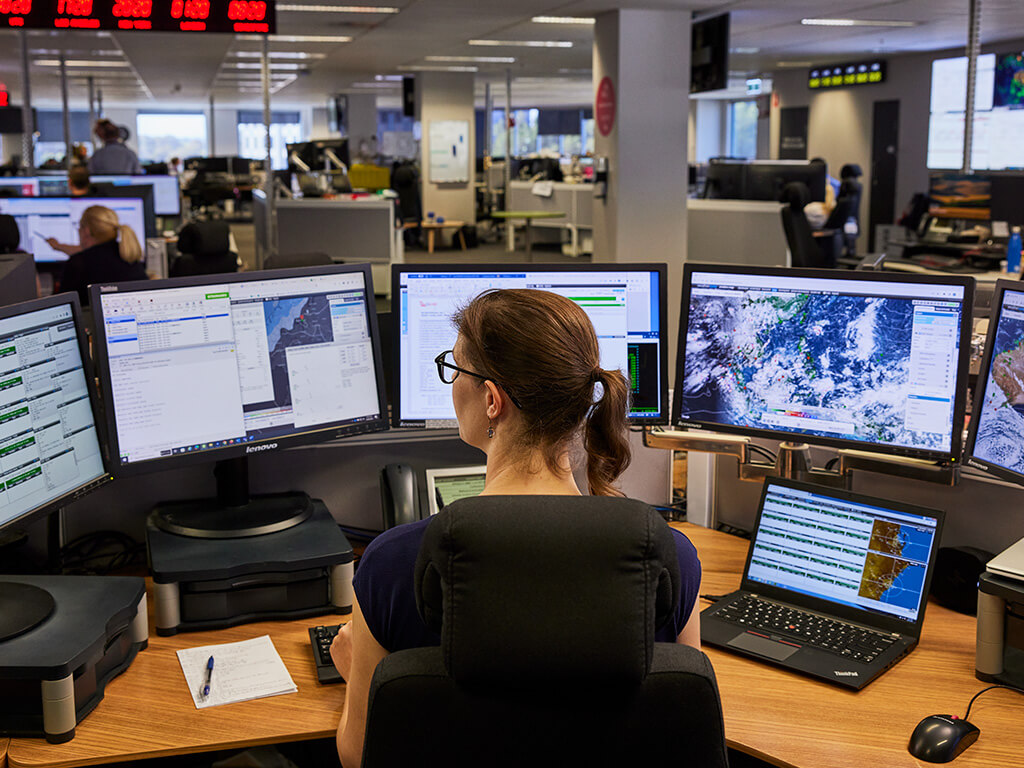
528 216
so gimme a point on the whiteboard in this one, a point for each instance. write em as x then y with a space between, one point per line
449 151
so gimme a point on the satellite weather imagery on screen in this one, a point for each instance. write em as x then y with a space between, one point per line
896 563
1001 416
294 323
866 368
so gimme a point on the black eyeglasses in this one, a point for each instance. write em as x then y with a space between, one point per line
449 372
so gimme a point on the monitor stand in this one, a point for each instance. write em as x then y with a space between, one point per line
234 513
23 607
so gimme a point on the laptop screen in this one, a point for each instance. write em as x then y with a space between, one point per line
844 551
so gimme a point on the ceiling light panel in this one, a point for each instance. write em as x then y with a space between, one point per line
301 55
474 59
587 20
299 38
81 63
523 43
855 23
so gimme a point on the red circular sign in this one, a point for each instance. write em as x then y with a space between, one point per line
604 106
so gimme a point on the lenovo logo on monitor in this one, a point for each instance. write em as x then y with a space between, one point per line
258 448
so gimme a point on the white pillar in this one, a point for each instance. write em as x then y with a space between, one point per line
362 126
646 56
446 96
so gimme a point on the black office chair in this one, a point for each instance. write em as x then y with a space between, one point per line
804 248
547 608
849 186
204 249
405 180
10 237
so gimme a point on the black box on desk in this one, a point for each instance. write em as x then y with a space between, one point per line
199 584
1000 640
54 674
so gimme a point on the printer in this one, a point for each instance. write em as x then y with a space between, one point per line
1000 640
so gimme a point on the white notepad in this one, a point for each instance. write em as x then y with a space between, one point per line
250 669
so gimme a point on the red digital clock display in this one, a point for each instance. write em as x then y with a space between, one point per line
211 16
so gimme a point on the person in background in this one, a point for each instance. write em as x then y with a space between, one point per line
79 155
525 375
108 252
174 166
817 212
113 156
78 182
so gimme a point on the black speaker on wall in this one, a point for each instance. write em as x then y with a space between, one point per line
409 96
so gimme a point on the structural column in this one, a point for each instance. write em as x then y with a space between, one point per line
361 126
641 89
445 100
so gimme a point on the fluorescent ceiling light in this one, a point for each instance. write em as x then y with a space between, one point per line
478 59
389 86
744 50
80 63
388 78
278 65
279 55
338 8
300 38
70 52
793 64
523 43
426 68
855 23
563 19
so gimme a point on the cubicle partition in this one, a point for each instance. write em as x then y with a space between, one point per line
736 232
576 201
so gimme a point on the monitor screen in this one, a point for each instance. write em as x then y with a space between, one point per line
214 367
625 302
40 218
960 196
856 360
995 441
166 193
24 186
1008 90
453 483
49 449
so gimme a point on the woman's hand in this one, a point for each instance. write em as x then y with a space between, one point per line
341 650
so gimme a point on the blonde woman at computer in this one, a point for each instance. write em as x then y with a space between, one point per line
524 373
107 252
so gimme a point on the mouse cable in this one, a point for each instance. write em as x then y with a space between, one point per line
991 687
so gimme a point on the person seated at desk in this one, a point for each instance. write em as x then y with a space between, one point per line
523 373
113 156
108 252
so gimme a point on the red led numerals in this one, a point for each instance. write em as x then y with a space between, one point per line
247 10
190 9
16 7
74 7
132 9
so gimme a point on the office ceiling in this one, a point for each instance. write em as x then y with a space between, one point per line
158 71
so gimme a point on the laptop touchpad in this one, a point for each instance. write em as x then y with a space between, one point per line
762 646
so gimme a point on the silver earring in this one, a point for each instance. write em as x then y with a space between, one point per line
490 428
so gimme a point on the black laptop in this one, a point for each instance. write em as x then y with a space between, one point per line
834 586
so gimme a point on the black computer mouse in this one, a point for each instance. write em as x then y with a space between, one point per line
940 738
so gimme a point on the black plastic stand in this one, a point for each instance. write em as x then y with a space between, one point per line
234 513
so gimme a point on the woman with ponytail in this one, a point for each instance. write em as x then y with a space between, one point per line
529 391
107 252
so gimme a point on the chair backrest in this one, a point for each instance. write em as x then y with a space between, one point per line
406 182
10 237
204 248
547 609
802 246
841 213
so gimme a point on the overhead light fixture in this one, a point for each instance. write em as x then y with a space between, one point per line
427 68
302 7
80 63
477 59
523 43
563 20
278 65
303 55
744 50
299 38
565 71
793 64
856 23
388 86
388 78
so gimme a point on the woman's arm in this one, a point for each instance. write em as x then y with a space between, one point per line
355 653
70 250
691 632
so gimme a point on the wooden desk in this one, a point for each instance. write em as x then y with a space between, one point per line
528 217
148 712
432 226
791 720
4 743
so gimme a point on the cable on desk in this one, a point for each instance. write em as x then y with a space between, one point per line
991 687
762 451
733 530
712 598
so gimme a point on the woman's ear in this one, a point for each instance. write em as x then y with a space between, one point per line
494 399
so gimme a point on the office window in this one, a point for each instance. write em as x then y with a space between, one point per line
163 135
743 129
499 129
50 126
525 132
285 128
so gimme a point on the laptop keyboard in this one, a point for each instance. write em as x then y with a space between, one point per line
838 637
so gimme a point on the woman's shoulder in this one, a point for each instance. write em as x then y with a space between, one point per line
401 543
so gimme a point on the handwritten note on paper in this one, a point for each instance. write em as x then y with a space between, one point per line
250 669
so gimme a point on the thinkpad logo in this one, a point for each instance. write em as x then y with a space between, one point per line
976 465
258 448
843 673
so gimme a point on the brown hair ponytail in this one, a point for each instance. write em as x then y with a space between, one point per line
604 435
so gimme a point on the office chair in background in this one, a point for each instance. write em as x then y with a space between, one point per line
849 186
10 237
804 248
405 180
204 249
547 609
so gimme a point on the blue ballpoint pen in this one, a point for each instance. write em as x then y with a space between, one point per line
209 675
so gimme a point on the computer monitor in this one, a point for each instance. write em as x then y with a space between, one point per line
20 186
995 439
220 367
453 483
166 192
960 196
625 302
39 218
765 179
873 361
1008 199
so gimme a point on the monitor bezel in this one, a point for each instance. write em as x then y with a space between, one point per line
146 179
959 393
267 445
970 459
887 622
88 369
661 268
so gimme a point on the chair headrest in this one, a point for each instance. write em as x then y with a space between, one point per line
528 589
204 238
850 170
10 238
796 194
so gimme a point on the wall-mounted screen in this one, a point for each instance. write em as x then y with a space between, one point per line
1009 80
